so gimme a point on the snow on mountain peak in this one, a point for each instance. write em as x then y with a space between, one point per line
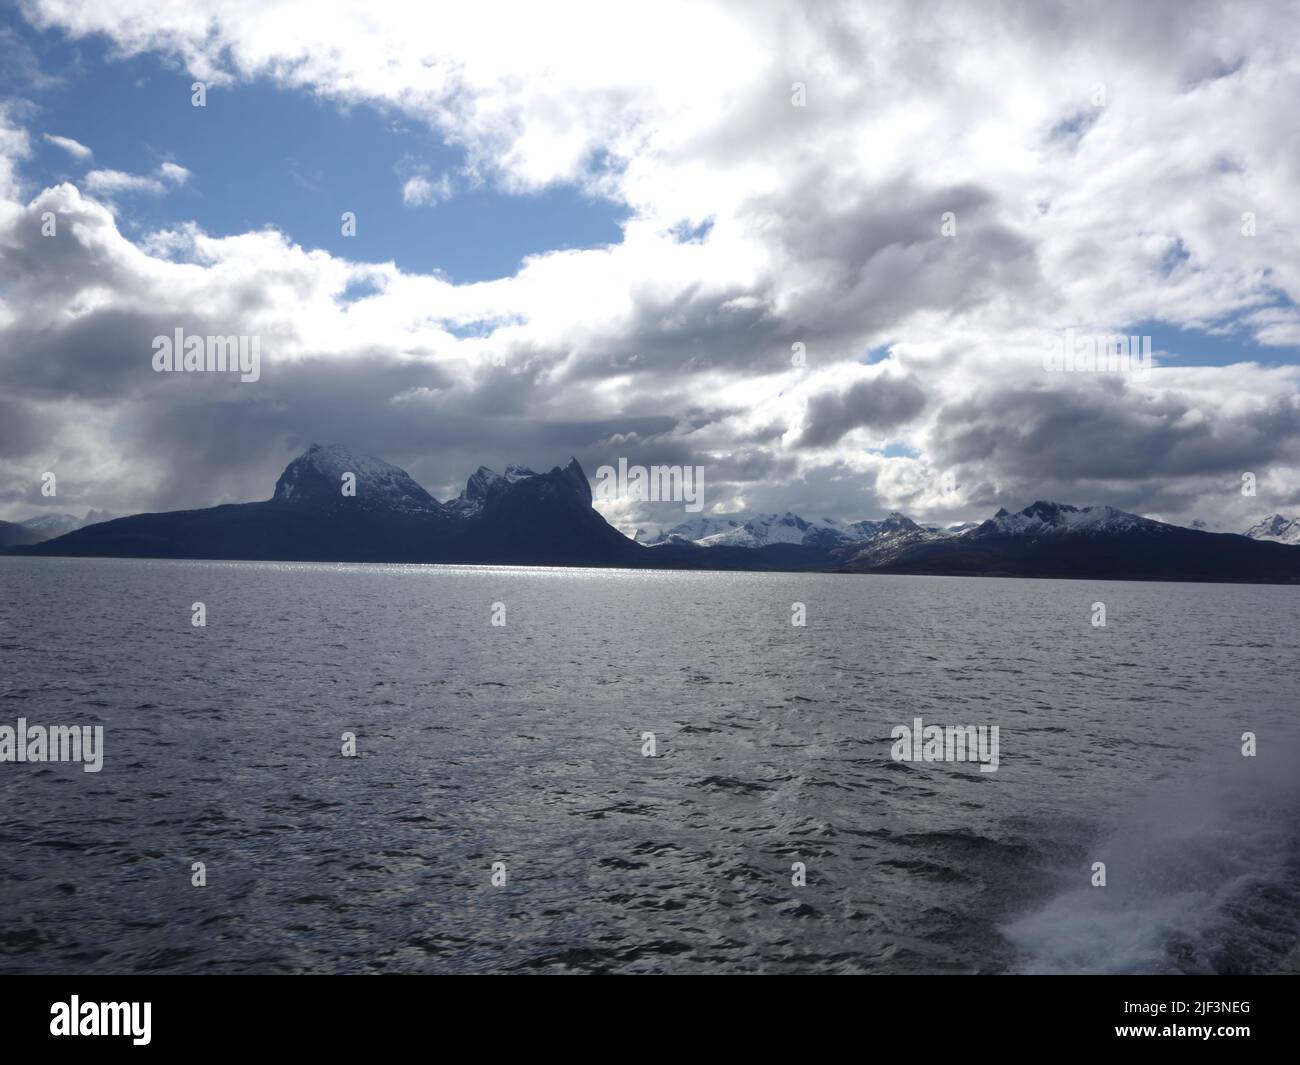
788 528
693 530
49 525
764 529
318 474
47 522
1044 518
1276 528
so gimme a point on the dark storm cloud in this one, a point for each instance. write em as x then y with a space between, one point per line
694 330
883 402
1112 433
874 256
20 431
855 261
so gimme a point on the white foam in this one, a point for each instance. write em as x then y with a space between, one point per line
1172 863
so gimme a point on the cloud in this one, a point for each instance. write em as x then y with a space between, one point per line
174 173
959 184
112 182
881 402
419 191
74 148
115 182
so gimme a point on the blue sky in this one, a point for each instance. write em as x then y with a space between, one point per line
1176 346
261 156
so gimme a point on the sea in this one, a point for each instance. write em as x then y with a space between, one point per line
465 769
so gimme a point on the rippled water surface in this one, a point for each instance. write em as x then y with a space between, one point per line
522 744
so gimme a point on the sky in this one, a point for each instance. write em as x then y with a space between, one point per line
817 250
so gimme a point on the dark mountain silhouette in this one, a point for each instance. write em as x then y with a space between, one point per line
522 517
12 534
1058 540
1043 540
333 505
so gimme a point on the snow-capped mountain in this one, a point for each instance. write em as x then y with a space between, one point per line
874 530
763 530
787 528
692 530
317 476
1050 519
48 526
1277 529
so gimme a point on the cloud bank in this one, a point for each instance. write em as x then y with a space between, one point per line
851 232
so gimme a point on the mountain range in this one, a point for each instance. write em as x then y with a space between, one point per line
331 504
46 527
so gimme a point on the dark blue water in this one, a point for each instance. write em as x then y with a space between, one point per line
522 744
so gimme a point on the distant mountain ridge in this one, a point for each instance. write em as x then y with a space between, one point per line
1058 540
333 504
1045 539
763 530
47 526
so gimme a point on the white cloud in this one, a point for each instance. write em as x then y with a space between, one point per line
174 174
74 148
419 191
114 182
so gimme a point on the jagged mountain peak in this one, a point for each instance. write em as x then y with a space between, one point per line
479 483
1044 517
892 523
485 484
572 475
